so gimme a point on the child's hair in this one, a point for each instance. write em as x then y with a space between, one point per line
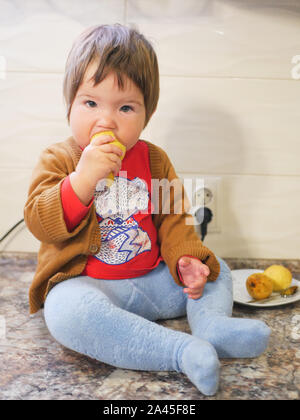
114 48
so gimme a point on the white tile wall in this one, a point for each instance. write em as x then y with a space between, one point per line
228 125
225 38
32 116
259 217
36 35
229 105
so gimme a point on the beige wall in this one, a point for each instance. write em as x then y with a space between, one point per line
229 106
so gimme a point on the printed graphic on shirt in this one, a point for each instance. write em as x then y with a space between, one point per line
121 236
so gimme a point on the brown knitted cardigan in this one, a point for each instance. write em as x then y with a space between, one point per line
64 254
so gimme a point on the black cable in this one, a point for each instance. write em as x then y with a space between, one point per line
204 216
11 229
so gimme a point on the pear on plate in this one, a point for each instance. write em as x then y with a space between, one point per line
280 276
259 286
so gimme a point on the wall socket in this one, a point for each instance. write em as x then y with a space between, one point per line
204 190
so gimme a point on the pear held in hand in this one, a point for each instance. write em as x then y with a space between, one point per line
110 178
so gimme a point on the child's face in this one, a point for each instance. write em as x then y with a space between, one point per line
107 107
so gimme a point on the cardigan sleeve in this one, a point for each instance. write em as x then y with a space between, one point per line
176 232
43 212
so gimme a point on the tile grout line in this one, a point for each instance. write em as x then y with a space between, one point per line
179 76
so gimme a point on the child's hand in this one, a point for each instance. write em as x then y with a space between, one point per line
98 159
194 275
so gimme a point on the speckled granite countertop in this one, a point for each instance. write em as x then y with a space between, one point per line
34 366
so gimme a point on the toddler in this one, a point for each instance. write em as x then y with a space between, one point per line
115 259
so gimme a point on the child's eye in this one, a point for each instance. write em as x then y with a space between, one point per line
126 108
91 104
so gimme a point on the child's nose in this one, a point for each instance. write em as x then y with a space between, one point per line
106 119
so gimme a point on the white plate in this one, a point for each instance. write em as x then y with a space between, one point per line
240 294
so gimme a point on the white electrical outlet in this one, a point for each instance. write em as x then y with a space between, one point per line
204 190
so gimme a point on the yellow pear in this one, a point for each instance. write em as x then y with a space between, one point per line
280 276
259 286
110 178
